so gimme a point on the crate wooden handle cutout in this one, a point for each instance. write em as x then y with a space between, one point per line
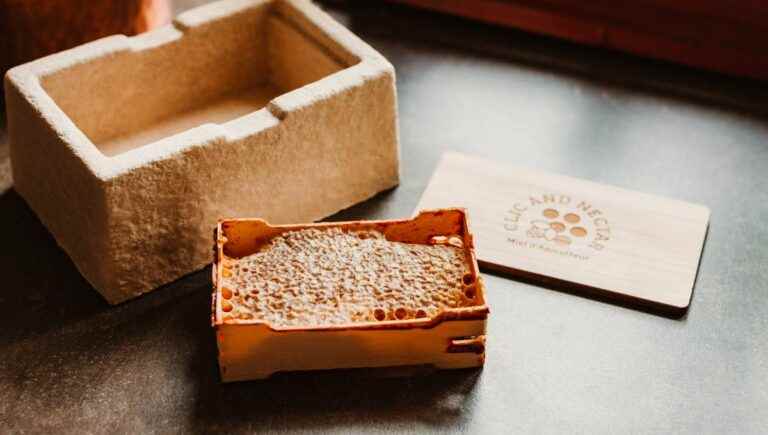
347 295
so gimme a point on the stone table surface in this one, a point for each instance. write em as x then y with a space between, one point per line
556 362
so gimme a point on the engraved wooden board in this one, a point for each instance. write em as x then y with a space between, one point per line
577 235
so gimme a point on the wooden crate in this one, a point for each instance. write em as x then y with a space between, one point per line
254 349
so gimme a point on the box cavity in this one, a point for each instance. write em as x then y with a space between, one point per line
219 71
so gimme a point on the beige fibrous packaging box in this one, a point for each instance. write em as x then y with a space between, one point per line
358 294
130 149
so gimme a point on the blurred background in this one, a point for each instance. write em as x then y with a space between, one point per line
706 51
667 97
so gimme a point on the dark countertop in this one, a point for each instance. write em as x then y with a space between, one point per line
556 362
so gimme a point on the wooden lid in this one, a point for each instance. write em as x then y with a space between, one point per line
576 235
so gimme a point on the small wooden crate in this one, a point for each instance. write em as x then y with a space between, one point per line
254 349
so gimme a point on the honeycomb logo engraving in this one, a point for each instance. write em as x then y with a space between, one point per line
557 224
557 229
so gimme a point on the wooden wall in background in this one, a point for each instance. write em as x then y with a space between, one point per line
30 29
729 37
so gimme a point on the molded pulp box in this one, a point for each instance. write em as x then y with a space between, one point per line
130 149
254 349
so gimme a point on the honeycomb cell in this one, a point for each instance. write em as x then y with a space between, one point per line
401 313
226 293
379 314
226 306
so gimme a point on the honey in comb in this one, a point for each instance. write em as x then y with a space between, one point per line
331 277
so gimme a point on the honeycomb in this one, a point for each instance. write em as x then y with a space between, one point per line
330 277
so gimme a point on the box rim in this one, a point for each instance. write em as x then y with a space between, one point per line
27 78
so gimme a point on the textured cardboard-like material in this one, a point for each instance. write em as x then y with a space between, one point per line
256 349
130 149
